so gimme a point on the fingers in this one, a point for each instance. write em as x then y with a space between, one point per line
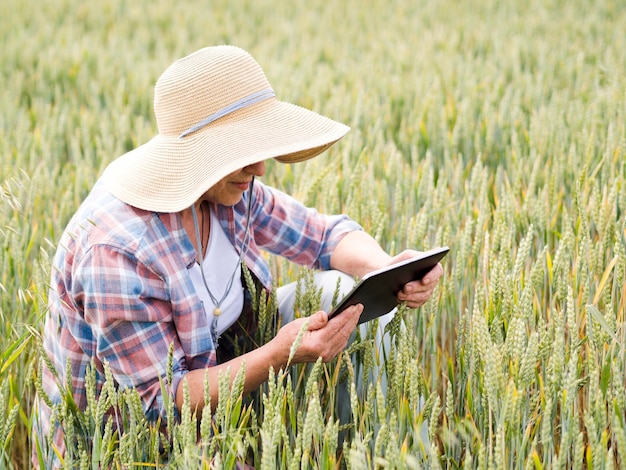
347 321
318 320
433 275
338 332
417 293
324 338
405 254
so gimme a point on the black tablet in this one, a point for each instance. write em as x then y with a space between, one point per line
378 290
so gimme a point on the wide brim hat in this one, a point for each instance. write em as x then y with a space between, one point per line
216 113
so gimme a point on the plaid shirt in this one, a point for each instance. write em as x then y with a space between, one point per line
121 291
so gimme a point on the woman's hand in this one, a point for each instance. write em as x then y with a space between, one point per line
416 293
323 338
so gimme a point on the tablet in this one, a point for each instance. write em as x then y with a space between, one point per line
378 290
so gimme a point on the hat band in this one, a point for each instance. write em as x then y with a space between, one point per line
239 104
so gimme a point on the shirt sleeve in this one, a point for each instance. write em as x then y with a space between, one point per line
286 227
129 313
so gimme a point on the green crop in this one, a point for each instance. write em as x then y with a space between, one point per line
496 127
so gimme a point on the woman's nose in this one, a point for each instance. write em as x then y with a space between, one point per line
257 169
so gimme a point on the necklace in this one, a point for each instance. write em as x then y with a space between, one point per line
217 311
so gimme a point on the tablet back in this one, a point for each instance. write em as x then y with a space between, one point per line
378 290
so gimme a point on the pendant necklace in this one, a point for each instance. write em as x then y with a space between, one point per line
217 311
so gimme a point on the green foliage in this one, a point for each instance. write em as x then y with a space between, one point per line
497 127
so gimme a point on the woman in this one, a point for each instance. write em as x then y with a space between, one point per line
154 255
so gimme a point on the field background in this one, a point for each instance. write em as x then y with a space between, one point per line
497 127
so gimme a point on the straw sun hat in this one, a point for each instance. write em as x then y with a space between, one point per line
216 113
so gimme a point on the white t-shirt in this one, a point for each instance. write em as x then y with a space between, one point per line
220 263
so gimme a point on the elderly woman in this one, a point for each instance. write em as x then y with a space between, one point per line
154 255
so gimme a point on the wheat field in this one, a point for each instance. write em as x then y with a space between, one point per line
496 127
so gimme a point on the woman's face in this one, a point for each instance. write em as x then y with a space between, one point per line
228 190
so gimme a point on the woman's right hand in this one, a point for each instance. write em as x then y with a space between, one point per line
324 338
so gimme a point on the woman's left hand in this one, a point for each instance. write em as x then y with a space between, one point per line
416 293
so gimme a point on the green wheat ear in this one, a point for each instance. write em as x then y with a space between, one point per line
296 343
7 426
207 415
